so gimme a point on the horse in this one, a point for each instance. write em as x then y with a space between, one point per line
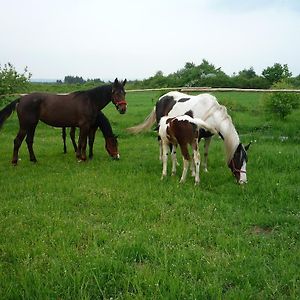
207 108
183 131
77 109
111 142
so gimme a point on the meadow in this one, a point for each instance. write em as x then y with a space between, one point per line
109 229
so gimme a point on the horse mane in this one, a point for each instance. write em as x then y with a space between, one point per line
103 123
231 139
94 91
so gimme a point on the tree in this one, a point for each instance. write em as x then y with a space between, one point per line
11 81
73 79
189 65
248 74
276 73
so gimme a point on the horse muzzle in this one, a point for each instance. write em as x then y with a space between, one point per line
241 182
115 156
121 107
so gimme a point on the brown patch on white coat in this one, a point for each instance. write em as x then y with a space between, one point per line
182 131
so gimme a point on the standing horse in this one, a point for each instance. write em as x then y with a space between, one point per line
78 109
111 143
207 108
182 131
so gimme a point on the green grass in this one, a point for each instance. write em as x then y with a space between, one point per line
112 229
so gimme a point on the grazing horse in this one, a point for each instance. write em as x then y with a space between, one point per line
207 108
111 143
78 109
182 131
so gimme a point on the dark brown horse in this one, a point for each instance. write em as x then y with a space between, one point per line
78 109
111 143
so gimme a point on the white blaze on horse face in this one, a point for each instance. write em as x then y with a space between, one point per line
243 175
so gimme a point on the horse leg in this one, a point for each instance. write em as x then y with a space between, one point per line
72 136
17 144
160 149
206 146
174 159
29 141
165 149
186 159
193 171
63 134
81 150
91 141
196 160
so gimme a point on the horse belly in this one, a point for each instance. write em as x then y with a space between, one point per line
59 116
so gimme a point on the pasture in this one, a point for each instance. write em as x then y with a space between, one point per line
109 229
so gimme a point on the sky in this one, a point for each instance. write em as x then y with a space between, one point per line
134 39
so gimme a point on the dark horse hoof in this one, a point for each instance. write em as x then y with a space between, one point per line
14 163
33 160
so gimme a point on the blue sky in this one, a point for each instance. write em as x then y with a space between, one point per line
135 38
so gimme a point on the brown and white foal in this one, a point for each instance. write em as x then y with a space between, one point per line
182 131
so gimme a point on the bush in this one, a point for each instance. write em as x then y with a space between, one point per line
281 104
11 81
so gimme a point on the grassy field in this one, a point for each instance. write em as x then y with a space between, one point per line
113 230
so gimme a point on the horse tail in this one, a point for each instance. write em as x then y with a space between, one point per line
7 111
146 125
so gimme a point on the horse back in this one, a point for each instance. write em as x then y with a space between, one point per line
175 104
55 110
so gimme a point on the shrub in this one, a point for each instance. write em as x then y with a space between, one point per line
11 81
281 104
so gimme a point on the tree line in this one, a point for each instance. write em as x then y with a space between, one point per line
207 75
191 75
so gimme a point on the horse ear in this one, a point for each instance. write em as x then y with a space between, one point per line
247 147
124 82
116 81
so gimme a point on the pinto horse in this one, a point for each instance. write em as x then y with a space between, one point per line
111 142
207 108
78 109
182 131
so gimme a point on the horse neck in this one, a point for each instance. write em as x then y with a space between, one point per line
231 138
101 95
104 125
225 127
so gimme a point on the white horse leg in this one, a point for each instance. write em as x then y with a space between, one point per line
193 171
174 159
184 171
160 150
165 149
196 159
206 146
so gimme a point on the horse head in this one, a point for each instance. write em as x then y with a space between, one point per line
111 146
238 163
118 95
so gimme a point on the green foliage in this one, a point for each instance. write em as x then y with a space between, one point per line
11 81
276 73
208 75
281 104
